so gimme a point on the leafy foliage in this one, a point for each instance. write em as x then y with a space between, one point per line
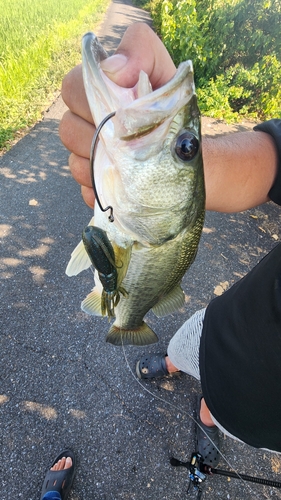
235 46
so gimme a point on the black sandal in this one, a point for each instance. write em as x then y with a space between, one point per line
152 366
60 480
205 447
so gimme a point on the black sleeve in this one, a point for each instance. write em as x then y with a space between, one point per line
273 127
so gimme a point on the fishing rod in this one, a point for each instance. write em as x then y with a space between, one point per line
198 471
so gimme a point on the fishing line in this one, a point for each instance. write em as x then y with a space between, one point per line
92 161
191 417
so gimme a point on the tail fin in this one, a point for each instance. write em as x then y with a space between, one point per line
142 335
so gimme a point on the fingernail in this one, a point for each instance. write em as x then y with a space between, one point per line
113 64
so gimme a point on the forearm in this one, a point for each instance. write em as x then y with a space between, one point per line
239 170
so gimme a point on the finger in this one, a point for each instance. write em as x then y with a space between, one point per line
73 93
76 134
80 170
88 196
140 49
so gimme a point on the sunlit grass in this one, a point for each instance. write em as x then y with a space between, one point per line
39 42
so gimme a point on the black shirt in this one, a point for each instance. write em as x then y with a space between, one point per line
240 349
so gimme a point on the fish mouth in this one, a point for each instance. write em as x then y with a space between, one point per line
139 110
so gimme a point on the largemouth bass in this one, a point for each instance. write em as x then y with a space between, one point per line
149 169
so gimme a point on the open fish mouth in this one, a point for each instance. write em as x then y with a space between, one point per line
139 110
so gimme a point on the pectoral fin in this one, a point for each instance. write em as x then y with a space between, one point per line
92 303
142 335
170 303
122 260
79 260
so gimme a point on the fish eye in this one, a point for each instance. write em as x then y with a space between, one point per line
187 146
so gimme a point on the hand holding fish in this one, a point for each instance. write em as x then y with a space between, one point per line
239 169
77 127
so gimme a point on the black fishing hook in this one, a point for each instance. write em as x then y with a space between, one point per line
92 159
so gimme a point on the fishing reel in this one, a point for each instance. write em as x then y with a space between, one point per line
196 476
197 472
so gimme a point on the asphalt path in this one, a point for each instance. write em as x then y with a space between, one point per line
61 384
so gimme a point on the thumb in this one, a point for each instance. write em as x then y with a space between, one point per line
140 49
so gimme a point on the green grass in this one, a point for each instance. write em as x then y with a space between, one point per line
39 42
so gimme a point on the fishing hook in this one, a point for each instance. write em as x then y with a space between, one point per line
92 160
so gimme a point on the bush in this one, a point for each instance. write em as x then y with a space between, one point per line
235 46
